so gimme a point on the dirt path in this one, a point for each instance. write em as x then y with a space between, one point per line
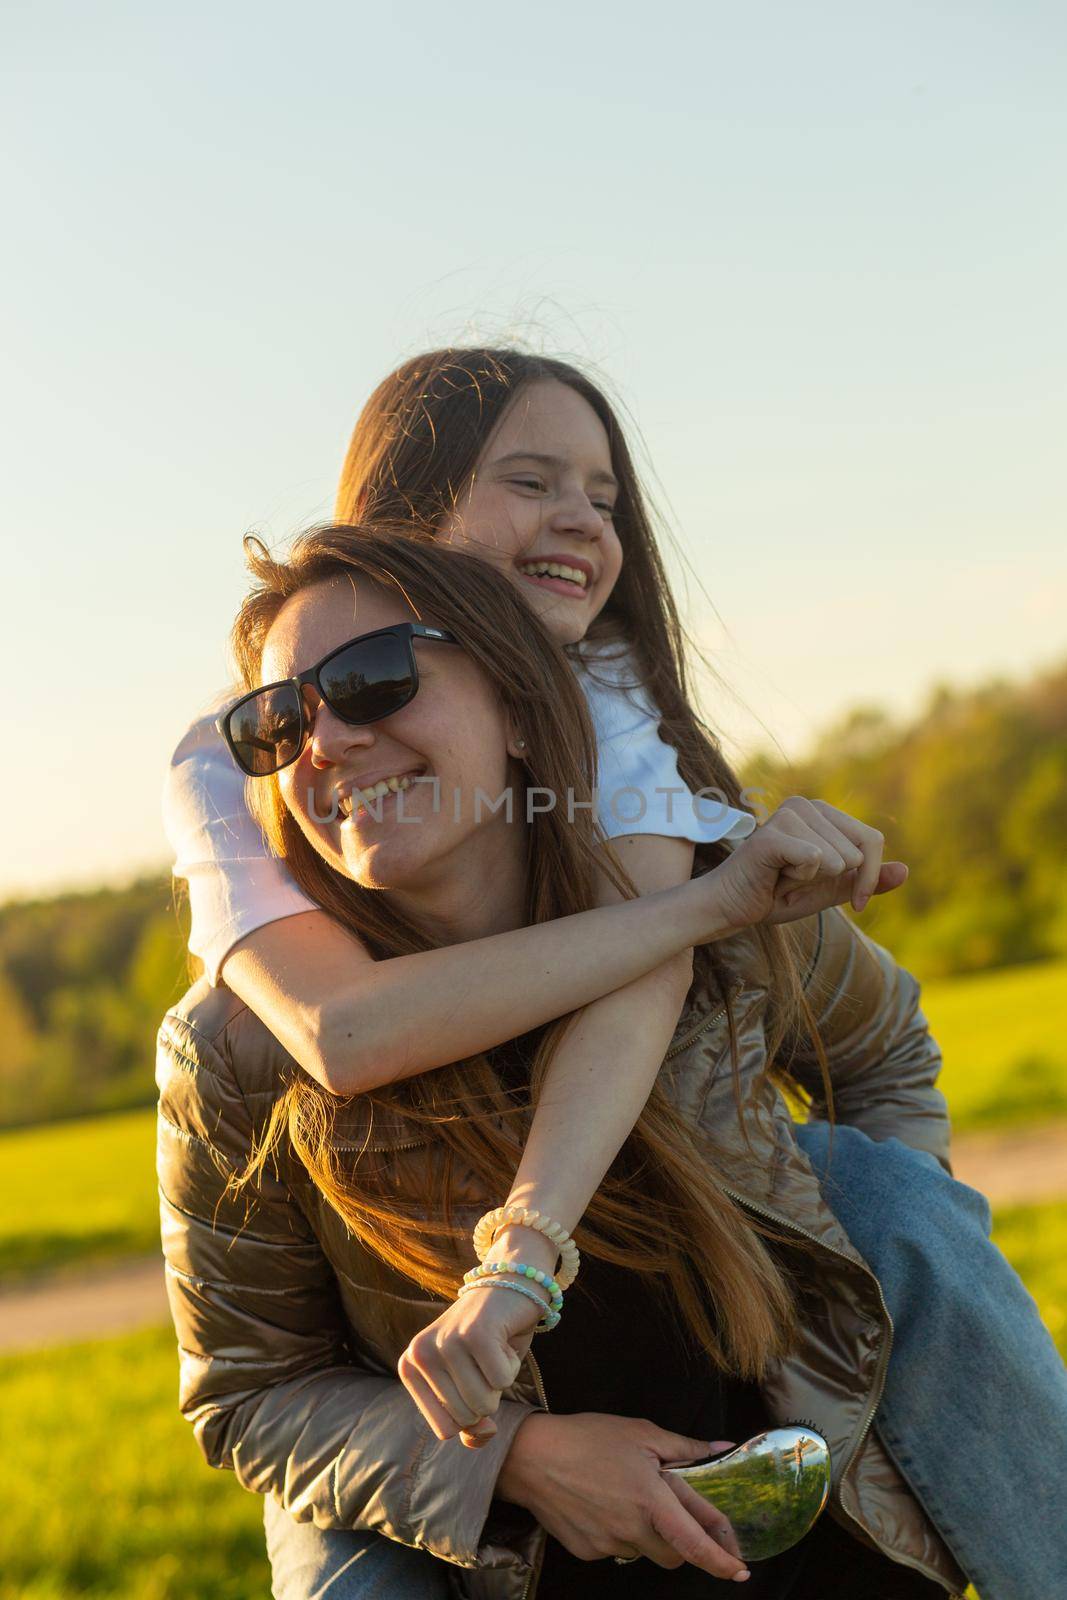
88 1304
1012 1168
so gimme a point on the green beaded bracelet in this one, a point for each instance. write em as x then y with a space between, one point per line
519 1270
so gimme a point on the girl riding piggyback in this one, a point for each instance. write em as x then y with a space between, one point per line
521 460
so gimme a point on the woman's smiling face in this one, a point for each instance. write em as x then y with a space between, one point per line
452 737
544 492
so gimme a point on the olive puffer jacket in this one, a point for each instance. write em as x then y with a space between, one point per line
289 1330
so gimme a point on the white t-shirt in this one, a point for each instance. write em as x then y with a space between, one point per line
236 885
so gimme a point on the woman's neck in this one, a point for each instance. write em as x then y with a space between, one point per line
471 894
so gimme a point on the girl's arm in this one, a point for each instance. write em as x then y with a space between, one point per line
604 1069
354 1023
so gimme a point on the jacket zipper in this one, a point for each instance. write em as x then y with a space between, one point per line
378 1149
694 1033
880 1376
883 1362
879 1384
541 1395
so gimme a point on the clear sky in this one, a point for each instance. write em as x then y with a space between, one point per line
819 251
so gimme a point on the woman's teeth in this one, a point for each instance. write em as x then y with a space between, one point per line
367 797
554 569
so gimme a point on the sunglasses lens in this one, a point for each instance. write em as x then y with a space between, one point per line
369 679
266 730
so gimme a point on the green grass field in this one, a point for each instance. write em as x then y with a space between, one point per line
1034 1239
107 1494
1003 1036
78 1191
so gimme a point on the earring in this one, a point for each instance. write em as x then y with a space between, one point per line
520 744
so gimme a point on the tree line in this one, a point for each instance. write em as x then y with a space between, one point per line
972 795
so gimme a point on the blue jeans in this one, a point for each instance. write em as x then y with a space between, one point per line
309 1563
974 1411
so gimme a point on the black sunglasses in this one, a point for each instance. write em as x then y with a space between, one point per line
362 681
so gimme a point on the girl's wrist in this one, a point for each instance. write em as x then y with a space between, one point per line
700 917
518 1243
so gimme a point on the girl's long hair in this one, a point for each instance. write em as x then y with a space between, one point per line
661 1210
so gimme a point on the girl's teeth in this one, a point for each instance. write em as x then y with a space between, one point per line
553 569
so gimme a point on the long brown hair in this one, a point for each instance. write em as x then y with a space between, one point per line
701 1242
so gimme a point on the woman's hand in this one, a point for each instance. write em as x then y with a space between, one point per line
595 1482
456 1368
806 857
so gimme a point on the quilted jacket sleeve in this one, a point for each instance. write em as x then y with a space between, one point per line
883 1059
270 1378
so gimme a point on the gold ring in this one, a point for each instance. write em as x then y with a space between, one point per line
624 1561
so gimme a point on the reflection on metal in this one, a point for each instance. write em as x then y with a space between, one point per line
769 1491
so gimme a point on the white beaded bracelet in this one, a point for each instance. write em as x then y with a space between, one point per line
491 1224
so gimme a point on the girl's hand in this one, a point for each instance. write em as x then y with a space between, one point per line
806 857
456 1368
595 1482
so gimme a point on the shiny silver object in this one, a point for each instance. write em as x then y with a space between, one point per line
769 1490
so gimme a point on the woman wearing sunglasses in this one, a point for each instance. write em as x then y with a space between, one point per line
310 1237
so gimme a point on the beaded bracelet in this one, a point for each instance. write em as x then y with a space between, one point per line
519 1270
549 1318
490 1225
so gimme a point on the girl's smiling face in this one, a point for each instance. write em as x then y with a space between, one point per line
544 494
